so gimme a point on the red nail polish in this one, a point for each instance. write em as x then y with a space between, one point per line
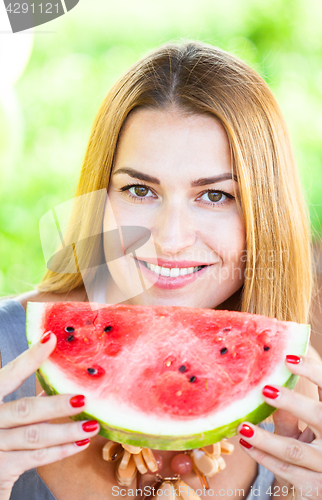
246 431
90 426
270 392
77 401
291 358
82 442
45 338
245 444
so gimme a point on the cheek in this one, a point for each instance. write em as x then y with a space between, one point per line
226 236
233 255
121 213
231 251
238 236
131 230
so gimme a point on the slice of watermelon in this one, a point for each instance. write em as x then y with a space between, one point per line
165 377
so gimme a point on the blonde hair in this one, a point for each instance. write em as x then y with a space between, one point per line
199 78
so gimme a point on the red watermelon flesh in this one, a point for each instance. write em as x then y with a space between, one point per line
169 363
180 379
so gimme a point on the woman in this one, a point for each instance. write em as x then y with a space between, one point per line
191 145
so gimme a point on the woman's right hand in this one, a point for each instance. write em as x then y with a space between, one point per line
27 441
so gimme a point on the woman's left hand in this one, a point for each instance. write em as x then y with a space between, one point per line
295 457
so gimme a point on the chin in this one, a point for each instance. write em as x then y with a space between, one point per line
202 293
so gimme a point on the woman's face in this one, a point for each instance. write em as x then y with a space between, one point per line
173 175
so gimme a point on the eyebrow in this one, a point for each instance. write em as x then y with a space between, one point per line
203 181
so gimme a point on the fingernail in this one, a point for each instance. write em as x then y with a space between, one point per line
270 392
90 426
246 431
291 358
77 401
45 338
82 442
245 444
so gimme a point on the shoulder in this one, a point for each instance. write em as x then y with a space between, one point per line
36 296
10 316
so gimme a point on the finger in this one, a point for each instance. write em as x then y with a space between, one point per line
39 436
17 462
17 371
307 435
42 395
285 472
27 411
302 407
307 367
286 424
285 449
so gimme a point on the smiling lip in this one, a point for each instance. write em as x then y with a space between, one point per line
167 282
170 264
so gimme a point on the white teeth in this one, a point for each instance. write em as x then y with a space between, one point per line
172 272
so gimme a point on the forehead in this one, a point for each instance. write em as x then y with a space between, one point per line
171 140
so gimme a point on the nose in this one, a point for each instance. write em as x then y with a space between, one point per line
173 230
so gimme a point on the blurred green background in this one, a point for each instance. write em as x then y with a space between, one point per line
46 114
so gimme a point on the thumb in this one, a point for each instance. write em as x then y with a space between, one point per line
286 424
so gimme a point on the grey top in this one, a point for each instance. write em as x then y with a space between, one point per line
13 342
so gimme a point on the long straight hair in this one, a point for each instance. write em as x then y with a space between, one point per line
199 78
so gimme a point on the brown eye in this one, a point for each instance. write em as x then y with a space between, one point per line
140 190
214 195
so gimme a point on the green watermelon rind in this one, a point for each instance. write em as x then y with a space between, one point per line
172 442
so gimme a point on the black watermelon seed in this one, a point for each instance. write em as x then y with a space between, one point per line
182 369
108 328
92 371
70 338
266 348
223 350
69 329
192 379
226 329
